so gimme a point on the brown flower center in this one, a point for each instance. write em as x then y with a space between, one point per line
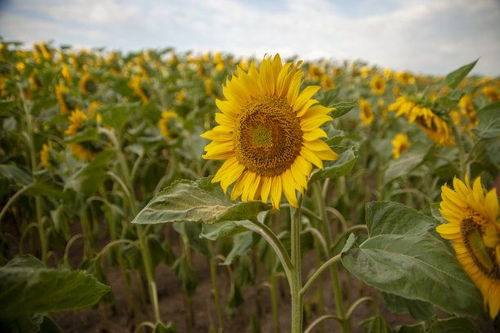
269 137
482 256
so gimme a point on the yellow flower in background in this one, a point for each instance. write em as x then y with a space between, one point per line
492 93
433 125
326 82
84 151
473 226
387 73
377 85
20 66
268 133
166 117
404 78
364 72
209 86
44 156
469 110
136 84
61 91
365 112
220 67
66 73
399 144
34 82
180 96
76 120
87 84
455 117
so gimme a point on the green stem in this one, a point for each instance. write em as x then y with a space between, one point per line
317 273
461 151
215 291
296 273
148 267
333 266
274 302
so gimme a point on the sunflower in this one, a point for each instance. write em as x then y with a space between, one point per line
491 92
377 84
85 151
365 112
268 133
434 126
399 144
474 229
44 156
166 117
87 84
469 110
136 84
61 96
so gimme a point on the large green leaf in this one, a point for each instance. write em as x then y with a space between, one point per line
27 287
417 309
196 201
242 243
408 161
12 172
339 167
404 256
454 78
223 229
453 325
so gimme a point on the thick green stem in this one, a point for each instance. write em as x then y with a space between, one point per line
461 151
296 273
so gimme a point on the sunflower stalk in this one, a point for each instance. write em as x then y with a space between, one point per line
296 272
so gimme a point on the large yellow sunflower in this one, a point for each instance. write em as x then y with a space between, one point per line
269 133
474 229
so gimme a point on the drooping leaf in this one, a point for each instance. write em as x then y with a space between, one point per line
454 78
242 243
26 287
404 256
489 121
196 201
223 230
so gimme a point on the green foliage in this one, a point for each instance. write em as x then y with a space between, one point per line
454 78
404 256
196 201
337 168
408 161
27 287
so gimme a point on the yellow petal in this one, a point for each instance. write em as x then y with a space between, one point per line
276 192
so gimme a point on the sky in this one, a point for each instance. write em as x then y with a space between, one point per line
424 36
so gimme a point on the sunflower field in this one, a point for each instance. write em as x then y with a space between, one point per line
164 191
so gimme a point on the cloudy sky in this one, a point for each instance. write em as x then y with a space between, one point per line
426 36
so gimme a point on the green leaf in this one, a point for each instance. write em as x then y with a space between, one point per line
453 325
408 161
342 108
417 328
417 309
404 256
15 174
196 201
489 121
88 178
89 134
454 78
116 115
242 243
26 287
337 168
375 324
223 230
192 233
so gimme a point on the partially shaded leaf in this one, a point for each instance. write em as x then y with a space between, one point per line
454 78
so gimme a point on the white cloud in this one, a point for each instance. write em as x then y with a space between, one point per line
423 36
